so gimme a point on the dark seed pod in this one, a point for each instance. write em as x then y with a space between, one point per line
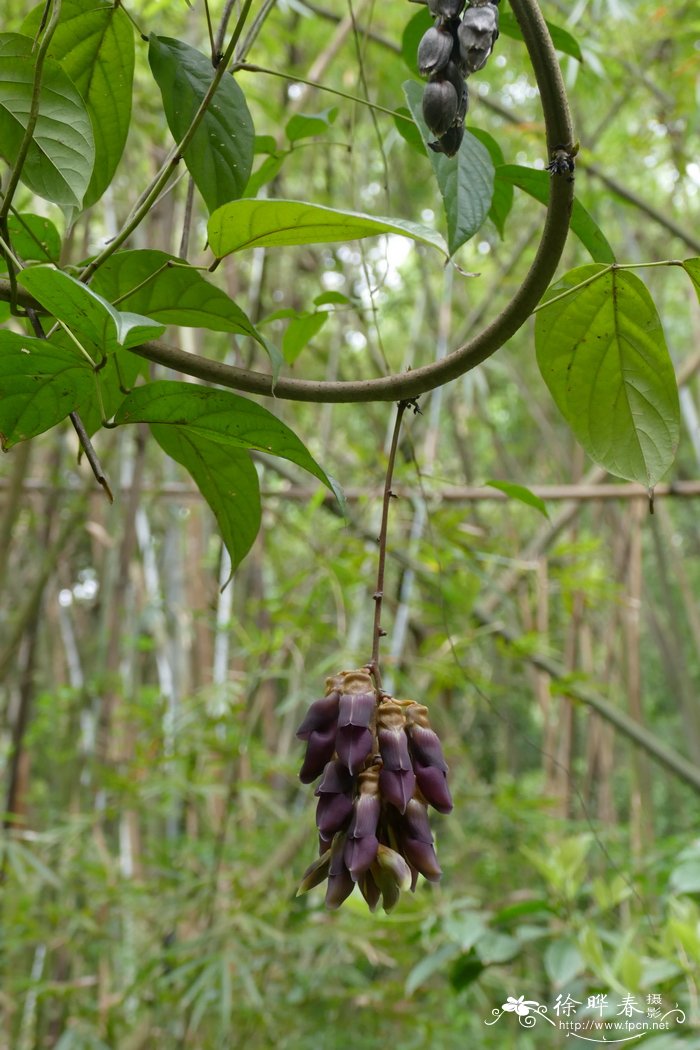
435 50
440 105
450 142
477 33
446 8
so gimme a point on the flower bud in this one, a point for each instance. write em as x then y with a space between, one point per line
440 104
369 890
426 747
333 812
316 873
450 142
477 33
446 8
421 855
353 745
319 751
340 882
397 787
433 785
435 50
320 715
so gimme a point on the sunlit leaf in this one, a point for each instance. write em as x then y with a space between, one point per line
521 493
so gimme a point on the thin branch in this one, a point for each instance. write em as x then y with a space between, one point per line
378 631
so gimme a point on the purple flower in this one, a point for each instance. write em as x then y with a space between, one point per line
356 709
433 784
426 747
416 822
421 855
393 747
335 779
333 812
320 715
319 750
361 845
353 744
397 787
369 890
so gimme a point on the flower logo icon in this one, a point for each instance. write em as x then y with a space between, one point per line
520 1006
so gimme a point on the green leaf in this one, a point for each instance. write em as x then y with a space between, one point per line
300 331
561 38
268 170
692 268
220 156
686 877
332 299
301 126
602 353
94 42
145 282
411 37
430 965
563 961
40 384
265 223
227 479
265 144
520 492
61 155
537 184
33 238
85 312
502 200
465 181
219 416
407 129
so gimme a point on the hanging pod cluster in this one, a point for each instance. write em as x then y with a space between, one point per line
382 766
448 52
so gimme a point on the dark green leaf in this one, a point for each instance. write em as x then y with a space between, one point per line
85 312
258 223
220 155
465 970
502 200
301 126
33 238
465 181
227 479
602 353
118 375
62 152
411 37
94 42
265 144
521 493
40 384
537 184
219 416
300 331
561 38
407 129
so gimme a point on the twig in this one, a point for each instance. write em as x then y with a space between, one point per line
377 631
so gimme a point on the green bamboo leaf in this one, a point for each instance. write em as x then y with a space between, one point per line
33 238
227 479
521 493
602 353
219 416
94 42
465 181
258 223
40 384
220 156
537 184
61 155
85 312
561 38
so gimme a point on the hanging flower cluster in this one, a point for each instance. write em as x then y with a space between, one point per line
382 766
448 53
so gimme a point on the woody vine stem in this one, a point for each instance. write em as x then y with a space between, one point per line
378 631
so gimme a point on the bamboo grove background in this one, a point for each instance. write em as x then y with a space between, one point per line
155 829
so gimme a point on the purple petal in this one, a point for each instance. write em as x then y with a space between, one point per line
360 854
416 821
335 779
332 813
421 855
364 821
433 784
339 889
427 747
353 745
319 716
319 750
356 709
337 865
393 747
369 890
397 787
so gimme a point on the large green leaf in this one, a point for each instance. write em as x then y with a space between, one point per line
537 184
692 268
40 384
602 353
85 312
94 42
168 290
227 479
33 238
258 223
220 155
465 181
218 415
502 199
61 155
411 37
